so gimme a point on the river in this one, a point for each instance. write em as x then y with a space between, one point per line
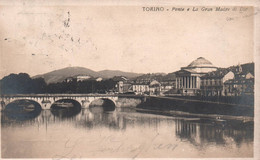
123 133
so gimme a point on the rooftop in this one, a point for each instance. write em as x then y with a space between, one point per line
221 72
200 62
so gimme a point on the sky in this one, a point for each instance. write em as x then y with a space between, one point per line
40 39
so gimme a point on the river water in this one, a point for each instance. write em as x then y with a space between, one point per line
123 133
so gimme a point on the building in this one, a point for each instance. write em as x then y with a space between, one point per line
212 84
148 78
83 78
168 83
151 88
99 79
243 83
237 87
231 81
120 78
188 78
69 79
123 85
141 88
154 88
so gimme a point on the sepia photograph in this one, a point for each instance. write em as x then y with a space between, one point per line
98 80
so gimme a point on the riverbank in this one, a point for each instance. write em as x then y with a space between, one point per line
246 100
192 106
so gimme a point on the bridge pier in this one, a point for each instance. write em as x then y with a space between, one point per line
46 105
85 104
2 105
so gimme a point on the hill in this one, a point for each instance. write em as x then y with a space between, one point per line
150 77
112 73
61 74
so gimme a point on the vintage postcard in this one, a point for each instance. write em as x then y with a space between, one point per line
85 79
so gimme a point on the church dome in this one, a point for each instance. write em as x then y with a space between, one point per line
201 62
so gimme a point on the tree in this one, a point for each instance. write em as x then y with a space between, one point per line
22 84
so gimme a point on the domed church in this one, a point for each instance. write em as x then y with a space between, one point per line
188 78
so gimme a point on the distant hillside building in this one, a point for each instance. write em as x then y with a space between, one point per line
69 79
119 78
148 78
188 78
99 79
83 78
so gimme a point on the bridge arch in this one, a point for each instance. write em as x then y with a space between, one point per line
66 101
22 109
108 104
11 100
21 100
65 108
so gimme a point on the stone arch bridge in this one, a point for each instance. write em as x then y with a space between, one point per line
46 100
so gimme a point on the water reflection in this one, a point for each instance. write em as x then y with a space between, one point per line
196 132
210 132
97 117
199 133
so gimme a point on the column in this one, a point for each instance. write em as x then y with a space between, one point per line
195 82
198 82
179 79
180 82
192 81
184 81
193 85
188 82
187 85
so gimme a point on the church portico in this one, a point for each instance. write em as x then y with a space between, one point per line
187 83
188 78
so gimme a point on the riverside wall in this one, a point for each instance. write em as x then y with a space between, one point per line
196 106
